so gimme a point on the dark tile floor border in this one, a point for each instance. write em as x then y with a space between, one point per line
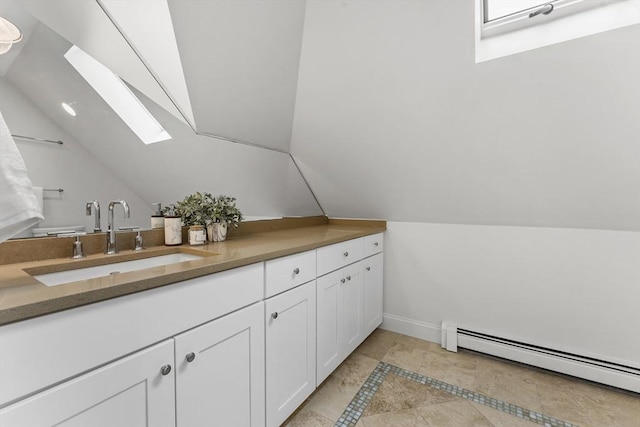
356 407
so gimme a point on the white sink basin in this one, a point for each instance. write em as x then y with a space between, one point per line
61 277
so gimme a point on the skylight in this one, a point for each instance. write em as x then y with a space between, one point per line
118 95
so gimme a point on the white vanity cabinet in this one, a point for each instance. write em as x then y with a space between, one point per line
68 348
214 372
243 347
340 321
372 293
290 319
349 299
136 391
220 371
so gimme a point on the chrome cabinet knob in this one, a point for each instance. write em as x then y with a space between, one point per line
342 281
368 268
348 277
190 357
274 315
375 244
296 270
346 254
165 370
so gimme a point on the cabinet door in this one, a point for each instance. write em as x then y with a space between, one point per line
220 371
130 392
350 327
373 278
328 303
290 351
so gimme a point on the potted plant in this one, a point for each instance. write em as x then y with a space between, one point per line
224 212
196 209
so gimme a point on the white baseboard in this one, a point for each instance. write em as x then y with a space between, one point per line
602 374
413 328
431 332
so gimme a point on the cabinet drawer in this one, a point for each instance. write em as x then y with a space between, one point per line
373 244
333 257
288 272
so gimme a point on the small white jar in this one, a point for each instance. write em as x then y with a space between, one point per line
197 235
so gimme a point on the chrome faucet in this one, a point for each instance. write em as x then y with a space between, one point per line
111 230
94 203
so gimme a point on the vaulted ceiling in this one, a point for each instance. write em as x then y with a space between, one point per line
227 68
393 118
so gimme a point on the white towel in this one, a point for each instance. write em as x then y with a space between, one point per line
39 193
19 207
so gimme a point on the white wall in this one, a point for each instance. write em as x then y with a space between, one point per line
573 290
68 166
394 119
532 159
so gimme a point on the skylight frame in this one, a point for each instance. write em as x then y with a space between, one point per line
118 96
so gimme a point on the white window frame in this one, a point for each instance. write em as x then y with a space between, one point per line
569 20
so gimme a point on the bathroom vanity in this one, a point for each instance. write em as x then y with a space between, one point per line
241 336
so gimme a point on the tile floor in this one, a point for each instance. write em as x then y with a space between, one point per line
399 400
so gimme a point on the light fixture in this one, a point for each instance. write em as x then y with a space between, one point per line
69 109
118 96
9 34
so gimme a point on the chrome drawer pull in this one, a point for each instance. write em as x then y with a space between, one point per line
346 254
274 315
296 271
375 244
165 370
190 357
368 268
342 280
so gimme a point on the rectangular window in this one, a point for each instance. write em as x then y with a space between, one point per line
505 27
495 9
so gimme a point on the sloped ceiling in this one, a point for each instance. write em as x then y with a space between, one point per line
228 68
265 182
85 24
409 128
240 60
155 42
393 118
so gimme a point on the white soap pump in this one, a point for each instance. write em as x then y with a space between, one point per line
157 219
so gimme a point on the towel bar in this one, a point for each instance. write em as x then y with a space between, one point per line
37 139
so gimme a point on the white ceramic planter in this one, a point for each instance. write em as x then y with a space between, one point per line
217 231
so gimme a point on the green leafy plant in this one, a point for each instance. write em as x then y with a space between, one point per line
204 209
225 210
196 209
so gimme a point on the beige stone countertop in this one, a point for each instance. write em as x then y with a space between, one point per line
23 297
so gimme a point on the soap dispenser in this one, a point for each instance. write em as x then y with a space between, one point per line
172 227
157 219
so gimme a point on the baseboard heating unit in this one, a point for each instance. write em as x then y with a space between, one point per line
617 375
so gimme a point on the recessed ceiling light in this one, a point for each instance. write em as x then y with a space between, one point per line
69 109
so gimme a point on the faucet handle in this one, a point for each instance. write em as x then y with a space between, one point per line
78 252
77 245
138 241
138 238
